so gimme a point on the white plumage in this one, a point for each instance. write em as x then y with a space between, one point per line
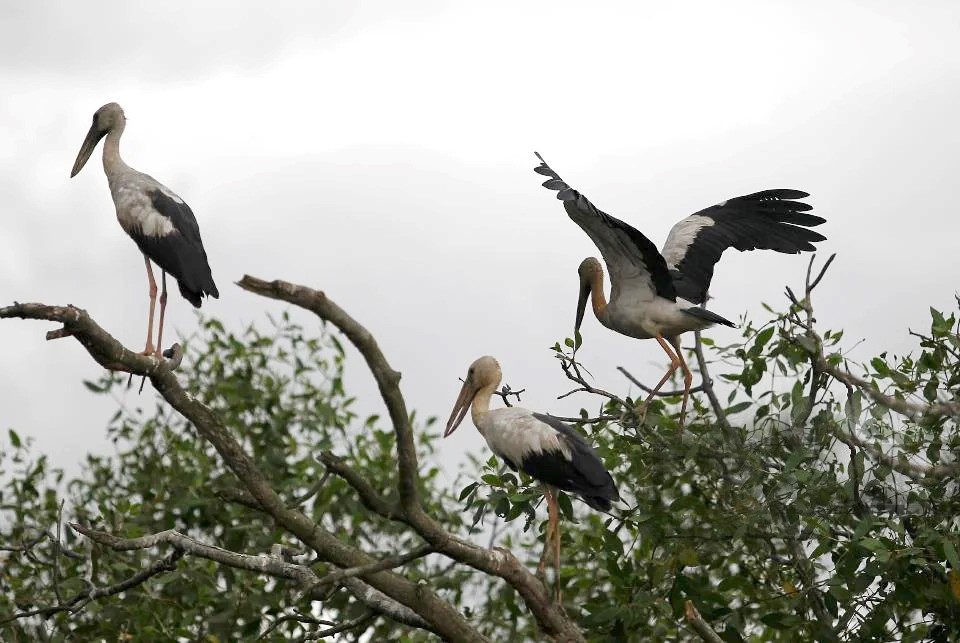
540 445
515 434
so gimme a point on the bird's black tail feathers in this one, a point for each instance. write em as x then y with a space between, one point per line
706 315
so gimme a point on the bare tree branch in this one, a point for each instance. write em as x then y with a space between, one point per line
572 370
646 389
274 566
271 566
369 497
707 385
913 410
311 492
298 617
916 471
390 562
700 626
41 535
337 629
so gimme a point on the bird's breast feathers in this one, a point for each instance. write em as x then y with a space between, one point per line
644 320
515 433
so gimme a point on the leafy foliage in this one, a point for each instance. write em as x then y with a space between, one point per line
798 507
282 391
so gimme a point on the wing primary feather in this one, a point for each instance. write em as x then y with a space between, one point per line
633 261
765 220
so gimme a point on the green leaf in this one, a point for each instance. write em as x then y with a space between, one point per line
779 620
800 410
470 488
764 336
880 366
738 408
93 386
872 544
853 407
951 553
563 500
14 439
688 557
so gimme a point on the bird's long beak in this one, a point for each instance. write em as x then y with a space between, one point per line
582 302
461 407
89 144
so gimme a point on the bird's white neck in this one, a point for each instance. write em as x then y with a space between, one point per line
112 163
481 405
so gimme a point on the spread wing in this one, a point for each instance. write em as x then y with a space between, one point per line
768 220
633 262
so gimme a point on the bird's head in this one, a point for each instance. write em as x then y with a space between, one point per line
107 118
484 372
591 272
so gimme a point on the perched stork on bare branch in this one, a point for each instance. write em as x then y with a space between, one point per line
661 295
158 220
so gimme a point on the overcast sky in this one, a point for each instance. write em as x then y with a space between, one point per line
383 152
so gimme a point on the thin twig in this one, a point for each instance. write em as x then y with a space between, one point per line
647 389
913 410
56 556
343 627
572 371
707 385
311 492
389 562
506 391
298 617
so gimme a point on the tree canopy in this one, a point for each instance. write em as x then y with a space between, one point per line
808 498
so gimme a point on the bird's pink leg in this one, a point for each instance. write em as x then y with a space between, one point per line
163 306
674 365
153 304
541 566
556 544
551 539
687 380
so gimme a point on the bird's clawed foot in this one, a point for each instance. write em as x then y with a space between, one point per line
159 353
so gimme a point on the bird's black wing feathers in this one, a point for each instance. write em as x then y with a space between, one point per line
628 253
583 474
768 220
179 253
